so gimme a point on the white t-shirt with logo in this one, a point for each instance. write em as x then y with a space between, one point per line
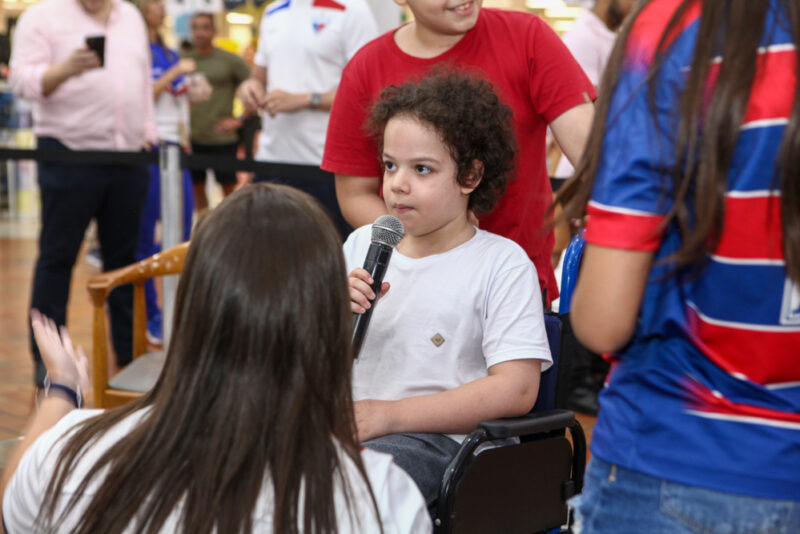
305 45
401 506
448 317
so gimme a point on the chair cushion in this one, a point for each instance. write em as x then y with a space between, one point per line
141 374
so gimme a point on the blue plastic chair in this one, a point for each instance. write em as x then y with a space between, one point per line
569 273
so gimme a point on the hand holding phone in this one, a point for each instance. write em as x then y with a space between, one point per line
79 61
97 44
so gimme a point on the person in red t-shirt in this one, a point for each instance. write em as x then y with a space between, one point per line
531 70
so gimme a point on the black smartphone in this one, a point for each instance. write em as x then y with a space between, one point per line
98 44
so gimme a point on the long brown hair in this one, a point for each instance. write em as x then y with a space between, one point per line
731 29
255 390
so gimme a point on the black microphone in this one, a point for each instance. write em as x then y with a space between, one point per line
387 231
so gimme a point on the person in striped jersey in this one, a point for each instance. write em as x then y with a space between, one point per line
691 189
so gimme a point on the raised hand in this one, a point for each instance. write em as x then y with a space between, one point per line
65 365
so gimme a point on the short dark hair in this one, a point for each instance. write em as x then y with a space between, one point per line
470 119
205 14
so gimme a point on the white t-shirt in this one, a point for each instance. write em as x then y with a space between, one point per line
304 45
172 116
590 42
400 503
447 318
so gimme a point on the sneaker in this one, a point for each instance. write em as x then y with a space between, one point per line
95 258
154 332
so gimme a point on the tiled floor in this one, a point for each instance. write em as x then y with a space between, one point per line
17 256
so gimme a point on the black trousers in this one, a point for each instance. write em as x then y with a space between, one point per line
320 185
73 195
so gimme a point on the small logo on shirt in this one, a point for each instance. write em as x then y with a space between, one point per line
320 21
437 340
790 309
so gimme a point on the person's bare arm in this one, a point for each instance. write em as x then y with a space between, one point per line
327 100
608 295
510 390
253 90
50 412
571 130
280 101
79 61
65 366
184 66
359 199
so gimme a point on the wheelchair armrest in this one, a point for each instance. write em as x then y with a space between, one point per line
529 424
532 423
540 422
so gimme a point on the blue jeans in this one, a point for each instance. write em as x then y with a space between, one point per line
617 500
423 456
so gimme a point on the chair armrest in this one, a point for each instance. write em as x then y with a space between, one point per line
540 422
532 423
166 262
529 424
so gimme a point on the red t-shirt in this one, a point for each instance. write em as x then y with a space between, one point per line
532 72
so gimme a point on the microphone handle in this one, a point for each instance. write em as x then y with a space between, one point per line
376 263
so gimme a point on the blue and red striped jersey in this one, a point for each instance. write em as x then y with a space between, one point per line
708 391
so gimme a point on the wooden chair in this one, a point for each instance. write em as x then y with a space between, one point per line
140 375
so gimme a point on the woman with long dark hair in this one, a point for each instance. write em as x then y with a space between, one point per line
690 280
250 426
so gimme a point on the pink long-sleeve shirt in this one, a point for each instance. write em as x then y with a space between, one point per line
109 108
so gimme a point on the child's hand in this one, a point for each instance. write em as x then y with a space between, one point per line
373 419
64 364
360 291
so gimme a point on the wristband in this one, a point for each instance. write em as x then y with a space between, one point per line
74 395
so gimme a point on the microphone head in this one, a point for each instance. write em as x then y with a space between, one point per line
387 230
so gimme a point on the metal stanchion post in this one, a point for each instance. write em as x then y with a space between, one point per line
171 224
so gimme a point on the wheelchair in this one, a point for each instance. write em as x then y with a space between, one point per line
520 487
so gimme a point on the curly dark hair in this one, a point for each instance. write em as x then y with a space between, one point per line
467 114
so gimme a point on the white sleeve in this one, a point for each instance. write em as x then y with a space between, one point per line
514 322
25 492
261 58
360 27
30 56
401 505
355 247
